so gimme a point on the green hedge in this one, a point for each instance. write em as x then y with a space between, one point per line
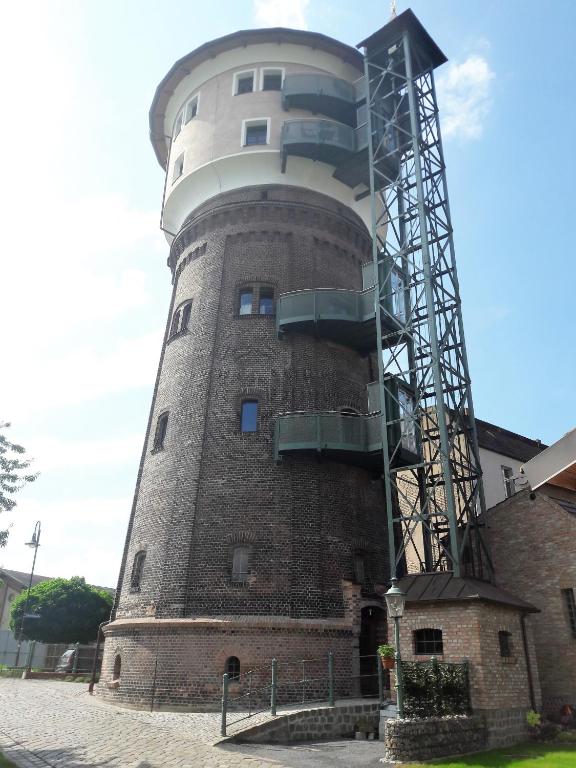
435 689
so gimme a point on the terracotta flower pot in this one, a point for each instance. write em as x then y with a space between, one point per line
387 662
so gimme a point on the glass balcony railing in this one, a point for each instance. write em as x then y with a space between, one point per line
344 316
347 438
324 140
321 94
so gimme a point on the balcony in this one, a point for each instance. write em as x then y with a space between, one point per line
324 140
347 317
345 438
321 94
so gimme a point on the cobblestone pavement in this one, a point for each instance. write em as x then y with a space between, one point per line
59 724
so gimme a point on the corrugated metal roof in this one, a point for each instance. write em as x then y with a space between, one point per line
433 587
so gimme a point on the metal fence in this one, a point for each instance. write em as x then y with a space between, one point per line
15 657
300 682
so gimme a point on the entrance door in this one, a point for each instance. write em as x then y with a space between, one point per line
372 634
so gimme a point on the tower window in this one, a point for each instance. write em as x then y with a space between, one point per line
240 564
180 319
508 478
243 82
428 642
249 416
266 303
191 110
117 667
137 569
272 79
505 643
360 568
570 603
233 668
160 433
255 132
246 297
178 168
177 126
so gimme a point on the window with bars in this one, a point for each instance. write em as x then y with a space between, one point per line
233 668
428 642
570 603
137 570
240 564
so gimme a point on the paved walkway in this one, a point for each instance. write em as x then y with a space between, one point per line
45 723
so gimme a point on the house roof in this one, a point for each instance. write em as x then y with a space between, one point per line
500 440
445 587
24 579
556 465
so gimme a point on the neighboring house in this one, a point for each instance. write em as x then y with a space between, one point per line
502 454
11 584
532 537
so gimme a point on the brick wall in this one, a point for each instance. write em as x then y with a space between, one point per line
212 486
532 545
470 631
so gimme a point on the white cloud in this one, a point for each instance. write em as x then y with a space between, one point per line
279 13
464 97
51 453
80 537
80 375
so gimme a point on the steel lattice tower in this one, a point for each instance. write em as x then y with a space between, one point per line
435 500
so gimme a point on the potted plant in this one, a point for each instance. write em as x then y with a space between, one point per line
386 653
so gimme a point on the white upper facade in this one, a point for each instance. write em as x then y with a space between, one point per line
217 121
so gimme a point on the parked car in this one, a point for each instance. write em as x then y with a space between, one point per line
66 661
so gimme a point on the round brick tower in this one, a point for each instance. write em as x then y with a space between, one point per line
258 525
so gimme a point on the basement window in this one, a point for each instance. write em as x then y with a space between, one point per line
428 642
233 668
570 603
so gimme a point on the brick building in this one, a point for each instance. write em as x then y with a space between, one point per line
258 527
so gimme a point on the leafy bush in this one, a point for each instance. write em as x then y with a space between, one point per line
434 689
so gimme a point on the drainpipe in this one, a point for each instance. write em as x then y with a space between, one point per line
95 662
528 664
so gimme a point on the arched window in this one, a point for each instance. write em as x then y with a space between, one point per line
180 319
240 564
117 667
428 642
137 568
249 416
233 668
160 433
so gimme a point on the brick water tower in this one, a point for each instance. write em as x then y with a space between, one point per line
258 527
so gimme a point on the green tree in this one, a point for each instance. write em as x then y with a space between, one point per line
69 611
13 475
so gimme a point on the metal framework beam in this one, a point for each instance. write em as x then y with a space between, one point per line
435 506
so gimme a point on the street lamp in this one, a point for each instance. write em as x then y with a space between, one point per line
395 601
35 543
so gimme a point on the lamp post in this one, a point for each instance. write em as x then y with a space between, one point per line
395 601
35 543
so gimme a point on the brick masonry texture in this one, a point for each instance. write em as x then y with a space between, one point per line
212 487
532 544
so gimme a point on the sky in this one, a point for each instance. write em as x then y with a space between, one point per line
84 287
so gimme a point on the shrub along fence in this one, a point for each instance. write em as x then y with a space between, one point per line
435 689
